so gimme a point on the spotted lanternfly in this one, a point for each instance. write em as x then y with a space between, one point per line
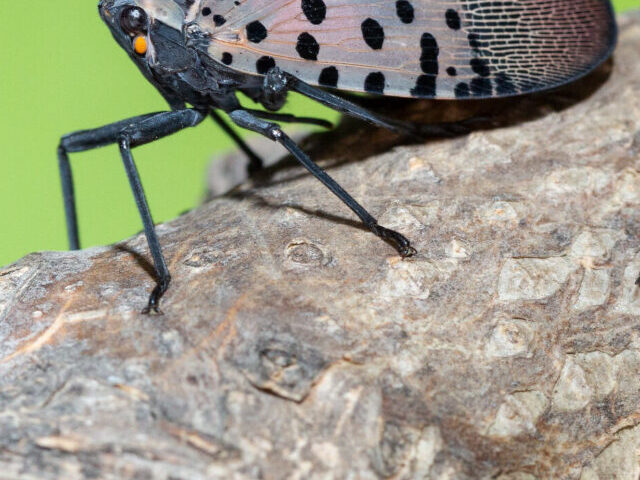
202 52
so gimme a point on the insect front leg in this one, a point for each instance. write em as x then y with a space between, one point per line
127 134
273 131
79 142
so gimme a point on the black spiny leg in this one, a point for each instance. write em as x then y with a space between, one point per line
128 134
288 118
162 272
352 109
274 132
255 162
79 142
69 198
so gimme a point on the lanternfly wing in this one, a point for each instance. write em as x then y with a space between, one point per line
419 48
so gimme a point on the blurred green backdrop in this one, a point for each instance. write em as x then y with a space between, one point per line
61 71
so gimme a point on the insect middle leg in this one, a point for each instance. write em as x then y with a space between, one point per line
255 162
273 131
127 134
288 118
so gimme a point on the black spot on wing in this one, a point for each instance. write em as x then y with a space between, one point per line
328 77
429 52
453 19
307 46
374 83
256 32
227 58
481 87
264 64
206 11
425 86
462 90
314 10
372 33
480 66
452 72
219 20
404 10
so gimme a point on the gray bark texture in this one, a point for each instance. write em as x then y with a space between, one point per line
295 344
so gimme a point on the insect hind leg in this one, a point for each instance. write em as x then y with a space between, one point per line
348 107
273 131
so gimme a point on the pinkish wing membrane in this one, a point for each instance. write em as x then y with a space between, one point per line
420 48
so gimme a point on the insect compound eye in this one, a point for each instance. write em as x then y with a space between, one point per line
133 20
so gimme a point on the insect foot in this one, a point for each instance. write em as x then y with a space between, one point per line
399 241
153 306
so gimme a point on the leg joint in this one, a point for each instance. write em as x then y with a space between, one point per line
274 89
124 139
275 132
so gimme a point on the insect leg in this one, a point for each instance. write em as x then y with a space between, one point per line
69 199
255 162
287 118
78 142
128 134
274 132
348 107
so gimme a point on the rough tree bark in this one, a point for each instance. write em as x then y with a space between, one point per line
294 344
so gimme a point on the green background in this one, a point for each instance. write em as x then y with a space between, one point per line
61 71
